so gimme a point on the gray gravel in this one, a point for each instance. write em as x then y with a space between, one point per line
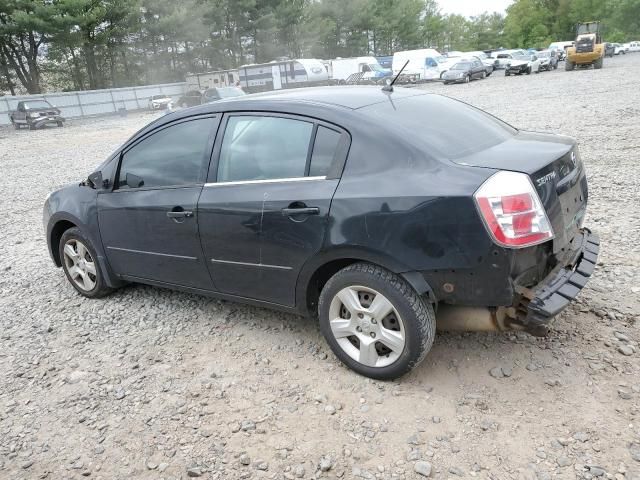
150 383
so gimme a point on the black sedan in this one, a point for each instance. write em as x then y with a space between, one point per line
218 93
464 71
368 209
190 99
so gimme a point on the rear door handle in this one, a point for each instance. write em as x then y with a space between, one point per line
289 212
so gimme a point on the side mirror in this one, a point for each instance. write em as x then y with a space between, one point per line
95 181
134 181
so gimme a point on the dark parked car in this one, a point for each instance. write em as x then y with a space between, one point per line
190 99
218 93
464 71
341 203
548 60
609 49
35 114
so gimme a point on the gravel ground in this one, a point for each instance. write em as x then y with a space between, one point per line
150 383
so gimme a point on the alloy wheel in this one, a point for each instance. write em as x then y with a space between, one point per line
367 326
80 265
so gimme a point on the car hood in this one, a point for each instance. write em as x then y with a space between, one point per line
161 100
454 73
38 110
519 63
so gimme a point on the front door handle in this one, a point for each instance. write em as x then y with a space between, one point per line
178 214
182 214
289 212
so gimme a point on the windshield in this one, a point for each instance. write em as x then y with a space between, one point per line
461 66
460 129
441 59
375 67
158 97
543 54
522 57
36 104
229 92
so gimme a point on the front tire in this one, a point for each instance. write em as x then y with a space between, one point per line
80 264
375 322
598 63
569 65
467 79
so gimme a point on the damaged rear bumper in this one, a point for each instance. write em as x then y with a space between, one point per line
560 287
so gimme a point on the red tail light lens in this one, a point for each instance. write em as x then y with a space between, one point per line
512 211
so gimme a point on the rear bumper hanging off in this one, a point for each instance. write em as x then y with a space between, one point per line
562 287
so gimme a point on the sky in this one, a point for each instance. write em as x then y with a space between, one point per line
473 7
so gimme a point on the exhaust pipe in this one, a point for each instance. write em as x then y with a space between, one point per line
477 319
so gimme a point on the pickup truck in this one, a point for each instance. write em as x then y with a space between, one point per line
35 114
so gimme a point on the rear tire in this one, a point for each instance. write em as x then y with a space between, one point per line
598 63
31 126
506 73
375 322
569 65
80 264
528 70
467 79
60 124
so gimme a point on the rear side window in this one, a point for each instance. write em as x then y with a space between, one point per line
324 151
448 128
264 148
175 155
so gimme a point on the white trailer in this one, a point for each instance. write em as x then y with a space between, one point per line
219 78
342 68
300 72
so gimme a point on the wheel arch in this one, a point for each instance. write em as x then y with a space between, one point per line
316 272
57 230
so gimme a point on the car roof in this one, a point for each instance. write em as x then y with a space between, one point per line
349 97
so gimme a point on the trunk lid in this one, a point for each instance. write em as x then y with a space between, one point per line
553 163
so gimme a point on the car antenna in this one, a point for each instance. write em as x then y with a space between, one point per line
389 86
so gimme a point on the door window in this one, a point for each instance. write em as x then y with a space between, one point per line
324 151
264 148
176 155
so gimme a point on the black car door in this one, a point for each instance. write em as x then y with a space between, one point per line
148 222
478 68
263 213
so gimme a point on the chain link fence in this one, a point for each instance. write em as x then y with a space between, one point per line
89 103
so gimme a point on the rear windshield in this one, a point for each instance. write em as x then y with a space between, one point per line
450 129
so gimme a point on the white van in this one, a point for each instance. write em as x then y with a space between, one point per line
632 47
342 68
561 48
424 64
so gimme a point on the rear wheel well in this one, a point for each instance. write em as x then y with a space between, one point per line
320 277
56 234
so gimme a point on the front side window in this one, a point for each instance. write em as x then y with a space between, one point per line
175 155
264 148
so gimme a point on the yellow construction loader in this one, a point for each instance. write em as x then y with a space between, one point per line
588 49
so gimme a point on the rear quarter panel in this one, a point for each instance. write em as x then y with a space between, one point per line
412 212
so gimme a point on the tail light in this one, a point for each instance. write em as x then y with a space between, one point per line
512 211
